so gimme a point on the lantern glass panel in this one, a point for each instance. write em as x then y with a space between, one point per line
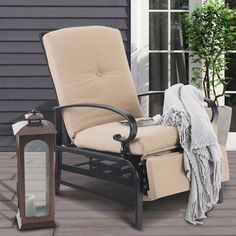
36 179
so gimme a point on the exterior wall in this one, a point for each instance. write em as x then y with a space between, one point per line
24 77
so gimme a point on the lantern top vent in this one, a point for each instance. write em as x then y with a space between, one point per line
35 124
34 117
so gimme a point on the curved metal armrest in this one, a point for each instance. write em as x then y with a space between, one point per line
125 114
214 109
150 93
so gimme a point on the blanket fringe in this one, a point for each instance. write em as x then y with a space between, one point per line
205 186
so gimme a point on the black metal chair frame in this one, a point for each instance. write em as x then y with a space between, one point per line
97 166
136 165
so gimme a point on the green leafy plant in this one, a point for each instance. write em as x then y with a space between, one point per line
210 31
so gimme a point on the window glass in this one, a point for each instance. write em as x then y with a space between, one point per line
158 31
158 71
156 104
231 72
179 68
180 4
232 3
231 101
158 4
177 40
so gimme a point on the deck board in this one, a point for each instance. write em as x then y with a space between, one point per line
82 213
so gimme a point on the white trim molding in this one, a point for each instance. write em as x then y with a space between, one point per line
140 47
140 43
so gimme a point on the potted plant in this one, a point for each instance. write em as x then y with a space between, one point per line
210 31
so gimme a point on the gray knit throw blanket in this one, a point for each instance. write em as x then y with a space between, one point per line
202 158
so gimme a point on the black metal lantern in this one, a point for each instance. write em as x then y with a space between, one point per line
35 171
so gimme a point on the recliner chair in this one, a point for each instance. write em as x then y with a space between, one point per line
95 92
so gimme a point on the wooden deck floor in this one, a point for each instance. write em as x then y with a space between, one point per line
80 213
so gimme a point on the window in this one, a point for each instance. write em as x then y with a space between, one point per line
231 72
168 60
160 48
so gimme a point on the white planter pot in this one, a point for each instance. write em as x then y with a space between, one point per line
223 123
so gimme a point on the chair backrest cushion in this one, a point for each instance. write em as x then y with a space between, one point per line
89 65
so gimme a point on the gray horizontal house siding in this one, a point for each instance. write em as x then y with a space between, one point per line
24 76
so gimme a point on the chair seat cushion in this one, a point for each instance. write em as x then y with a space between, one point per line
149 139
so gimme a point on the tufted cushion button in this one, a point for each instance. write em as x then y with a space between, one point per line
99 74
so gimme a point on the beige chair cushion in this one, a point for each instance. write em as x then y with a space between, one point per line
149 139
166 174
89 65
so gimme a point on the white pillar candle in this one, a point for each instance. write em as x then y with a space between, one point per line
30 208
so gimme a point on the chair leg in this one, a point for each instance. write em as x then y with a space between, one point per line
138 199
221 194
139 209
58 171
